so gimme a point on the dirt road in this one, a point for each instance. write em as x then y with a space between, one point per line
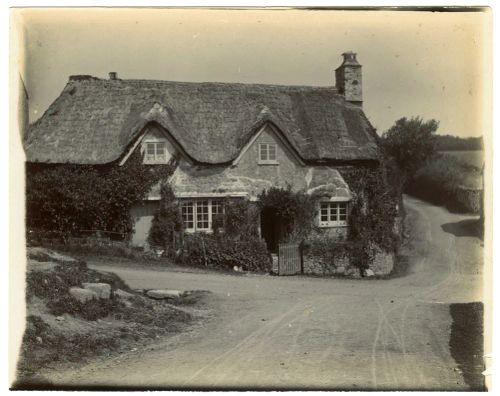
303 332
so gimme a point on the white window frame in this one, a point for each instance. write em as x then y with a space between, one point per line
197 205
266 148
333 211
157 158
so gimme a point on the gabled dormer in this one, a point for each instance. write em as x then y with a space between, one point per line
268 146
157 146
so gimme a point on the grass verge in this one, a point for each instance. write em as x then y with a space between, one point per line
466 342
62 331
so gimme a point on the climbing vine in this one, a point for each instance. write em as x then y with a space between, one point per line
374 208
297 210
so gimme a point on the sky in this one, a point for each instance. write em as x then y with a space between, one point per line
428 64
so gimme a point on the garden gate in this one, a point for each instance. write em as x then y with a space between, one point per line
289 259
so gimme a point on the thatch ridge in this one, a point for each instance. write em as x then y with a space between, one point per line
94 120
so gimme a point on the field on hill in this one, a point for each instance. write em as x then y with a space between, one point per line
472 157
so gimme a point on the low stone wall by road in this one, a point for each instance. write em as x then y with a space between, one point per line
335 259
471 199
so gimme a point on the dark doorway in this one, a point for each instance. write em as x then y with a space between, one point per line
271 228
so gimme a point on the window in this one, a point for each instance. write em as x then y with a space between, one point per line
156 152
333 214
202 216
268 153
187 210
198 215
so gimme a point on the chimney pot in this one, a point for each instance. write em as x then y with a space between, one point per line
112 76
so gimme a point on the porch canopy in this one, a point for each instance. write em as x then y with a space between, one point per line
209 182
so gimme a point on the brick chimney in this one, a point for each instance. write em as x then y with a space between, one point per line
348 79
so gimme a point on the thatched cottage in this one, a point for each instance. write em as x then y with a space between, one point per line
227 140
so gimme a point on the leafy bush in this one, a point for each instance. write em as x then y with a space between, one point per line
225 253
69 198
240 220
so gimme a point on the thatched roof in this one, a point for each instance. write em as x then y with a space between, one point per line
94 121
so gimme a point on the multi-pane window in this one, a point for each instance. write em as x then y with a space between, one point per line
333 214
199 215
156 152
187 210
268 153
202 215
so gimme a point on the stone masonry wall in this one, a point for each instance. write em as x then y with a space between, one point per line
316 265
381 263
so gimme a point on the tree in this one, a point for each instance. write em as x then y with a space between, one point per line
410 142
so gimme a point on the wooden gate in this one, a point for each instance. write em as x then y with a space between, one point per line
289 259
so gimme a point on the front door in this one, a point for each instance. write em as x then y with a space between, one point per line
271 228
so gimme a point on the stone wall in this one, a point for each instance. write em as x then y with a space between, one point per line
381 263
339 264
471 199
323 256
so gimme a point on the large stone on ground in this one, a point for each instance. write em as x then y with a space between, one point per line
164 293
103 290
82 295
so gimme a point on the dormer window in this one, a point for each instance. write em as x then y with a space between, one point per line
156 153
268 153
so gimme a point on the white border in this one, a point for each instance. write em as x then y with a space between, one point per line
5 101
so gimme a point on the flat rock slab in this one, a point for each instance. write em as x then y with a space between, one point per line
164 293
83 295
123 294
103 290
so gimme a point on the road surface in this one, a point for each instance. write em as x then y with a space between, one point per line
315 333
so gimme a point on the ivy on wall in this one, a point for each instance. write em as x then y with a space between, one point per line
373 212
69 198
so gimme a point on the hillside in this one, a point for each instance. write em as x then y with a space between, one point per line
455 143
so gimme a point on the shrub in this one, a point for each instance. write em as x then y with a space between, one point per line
167 222
224 253
240 220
